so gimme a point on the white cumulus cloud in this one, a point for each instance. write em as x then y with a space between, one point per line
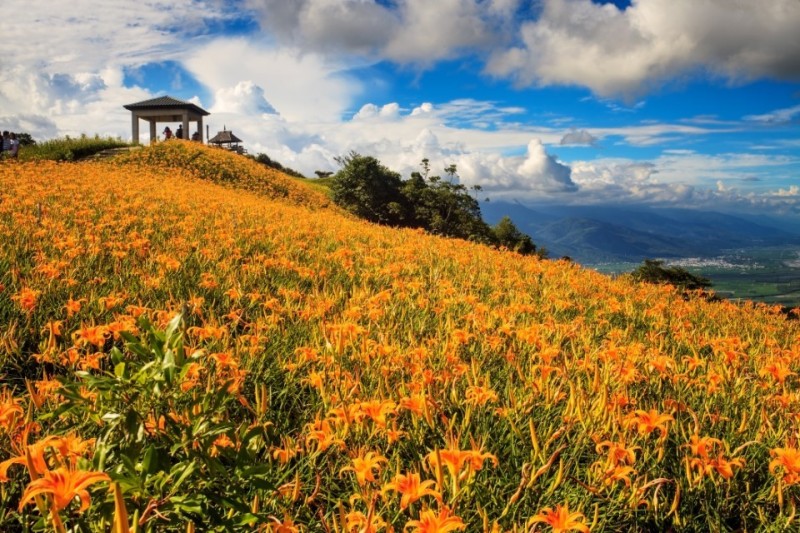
405 31
626 52
244 98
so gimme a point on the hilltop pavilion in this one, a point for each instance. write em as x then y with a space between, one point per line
166 109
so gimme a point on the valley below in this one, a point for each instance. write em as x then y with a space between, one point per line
763 274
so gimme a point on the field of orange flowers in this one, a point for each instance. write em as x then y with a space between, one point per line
191 342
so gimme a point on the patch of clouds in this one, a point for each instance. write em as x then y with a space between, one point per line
545 170
431 31
699 168
683 180
406 31
401 138
372 111
88 36
792 192
534 174
245 98
477 113
62 71
615 106
578 138
654 133
381 133
779 116
626 53
709 120
50 105
302 87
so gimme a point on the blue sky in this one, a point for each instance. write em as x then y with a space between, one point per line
655 102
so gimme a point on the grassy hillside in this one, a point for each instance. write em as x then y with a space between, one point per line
225 168
202 344
69 149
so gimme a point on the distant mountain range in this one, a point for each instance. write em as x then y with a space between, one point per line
601 234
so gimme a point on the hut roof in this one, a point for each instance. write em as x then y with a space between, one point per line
224 137
166 102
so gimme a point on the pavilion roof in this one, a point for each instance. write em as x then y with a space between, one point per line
166 102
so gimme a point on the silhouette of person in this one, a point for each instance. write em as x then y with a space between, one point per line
179 132
13 149
167 133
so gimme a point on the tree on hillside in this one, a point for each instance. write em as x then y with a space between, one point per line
445 207
508 235
369 190
654 271
25 139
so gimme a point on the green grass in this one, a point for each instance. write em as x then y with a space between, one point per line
69 148
322 185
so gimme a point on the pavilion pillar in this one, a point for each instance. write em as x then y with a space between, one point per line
135 127
186 134
200 128
153 134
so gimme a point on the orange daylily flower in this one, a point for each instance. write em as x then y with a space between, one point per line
286 525
647 422
11 412
222 441
64 485
454 459
72 446
701 446
415 404
619 473
411 487
377 410
618 453
69 448
778 370
366 467
724 467
27 298
37 457
560 519
285 453
322 432
786 460
478 396
361 523
431 522
94 335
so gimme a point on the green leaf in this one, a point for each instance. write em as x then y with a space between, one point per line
116 355
187 471
247 519
188 504
128 338
149 463
173 327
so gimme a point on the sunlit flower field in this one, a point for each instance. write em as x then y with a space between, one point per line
191 342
